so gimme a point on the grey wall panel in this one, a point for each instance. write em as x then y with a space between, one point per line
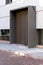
32 32
12 28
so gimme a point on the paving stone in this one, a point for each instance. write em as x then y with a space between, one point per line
9 58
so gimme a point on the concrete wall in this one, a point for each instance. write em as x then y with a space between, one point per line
32 32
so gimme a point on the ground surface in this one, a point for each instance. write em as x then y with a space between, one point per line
8 58
3 41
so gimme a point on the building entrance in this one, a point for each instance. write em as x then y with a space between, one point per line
19 26
40 32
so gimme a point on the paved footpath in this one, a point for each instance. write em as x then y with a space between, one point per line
5 42
8 58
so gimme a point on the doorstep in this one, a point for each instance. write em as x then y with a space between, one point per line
39 46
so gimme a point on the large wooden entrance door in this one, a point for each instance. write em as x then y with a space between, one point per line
22 26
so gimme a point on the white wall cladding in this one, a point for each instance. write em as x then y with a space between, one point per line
38 8
39 20
5 11
33 2
39 17
4 23
16 4
2 2
24 3
17 1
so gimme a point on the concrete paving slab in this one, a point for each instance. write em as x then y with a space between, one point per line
18 48
9 58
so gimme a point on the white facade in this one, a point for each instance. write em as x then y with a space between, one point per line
17 4
5 10
39 17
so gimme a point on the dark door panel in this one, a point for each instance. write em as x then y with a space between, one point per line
22 26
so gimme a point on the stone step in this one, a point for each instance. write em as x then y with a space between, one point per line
39 46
